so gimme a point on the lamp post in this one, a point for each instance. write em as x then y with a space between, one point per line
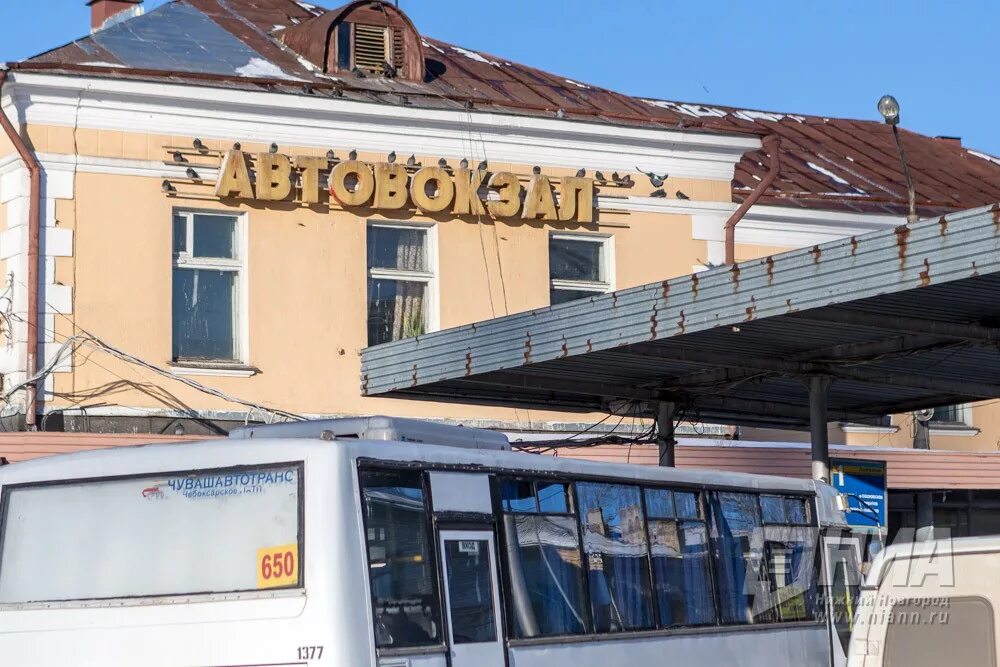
889 108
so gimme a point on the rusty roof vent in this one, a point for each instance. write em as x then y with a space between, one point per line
106 13
370 38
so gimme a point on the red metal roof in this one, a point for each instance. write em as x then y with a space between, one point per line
826 163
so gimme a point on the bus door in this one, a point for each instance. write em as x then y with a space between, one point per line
467 544
842 586
472 599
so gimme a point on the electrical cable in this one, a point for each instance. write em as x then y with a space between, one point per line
90 339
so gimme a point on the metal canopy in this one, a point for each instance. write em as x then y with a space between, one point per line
898 320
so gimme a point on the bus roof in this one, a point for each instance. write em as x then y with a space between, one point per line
171 456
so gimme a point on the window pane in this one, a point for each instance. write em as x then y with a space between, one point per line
563 295
773 509
470 593
214 236
948 414
400 559
575 260
791 564
844 590
659 504
344 46
397 248
553 497
739 550
681 573
614 541
198 532
395 310
518 496
796 511
203 303
687 505
923 639
545 575
180 233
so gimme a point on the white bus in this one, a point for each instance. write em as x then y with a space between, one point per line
354 543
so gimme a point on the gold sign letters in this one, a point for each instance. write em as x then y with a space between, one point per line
388 186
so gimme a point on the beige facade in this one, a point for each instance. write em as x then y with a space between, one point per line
302 308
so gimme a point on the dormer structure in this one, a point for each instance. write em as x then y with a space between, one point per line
367 37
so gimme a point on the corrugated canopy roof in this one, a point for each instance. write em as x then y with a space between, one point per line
827 163
899 319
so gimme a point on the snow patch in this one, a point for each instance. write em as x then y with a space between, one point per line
431 46
472 55
703 111
102 64
263 69
308 65
827 173
577 84
308 7
276 27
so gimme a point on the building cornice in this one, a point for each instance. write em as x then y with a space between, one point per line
299 120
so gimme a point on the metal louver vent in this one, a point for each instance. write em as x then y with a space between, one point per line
371 47
397 49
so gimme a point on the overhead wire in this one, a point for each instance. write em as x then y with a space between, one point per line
88 339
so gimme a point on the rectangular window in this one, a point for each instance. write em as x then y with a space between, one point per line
544 572
950 415
209 531
765 550
405 598
579 266
470 591
738 544
400 282
615 552
679 549
207 276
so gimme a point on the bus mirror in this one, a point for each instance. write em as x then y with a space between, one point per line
842 503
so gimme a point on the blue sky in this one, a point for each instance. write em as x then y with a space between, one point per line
804 56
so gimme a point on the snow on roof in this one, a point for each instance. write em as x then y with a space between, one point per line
828 173
263 69
474 56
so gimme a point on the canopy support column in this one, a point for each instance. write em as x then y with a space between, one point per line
665 432
818 386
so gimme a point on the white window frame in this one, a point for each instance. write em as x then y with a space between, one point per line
429 277
607 242
962 427
241 304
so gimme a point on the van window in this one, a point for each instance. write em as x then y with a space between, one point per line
208 531
401 568
942 631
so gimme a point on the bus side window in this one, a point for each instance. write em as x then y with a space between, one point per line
400 559
543 570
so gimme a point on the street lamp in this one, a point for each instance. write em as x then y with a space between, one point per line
889 108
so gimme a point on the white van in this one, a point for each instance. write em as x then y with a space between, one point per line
929 604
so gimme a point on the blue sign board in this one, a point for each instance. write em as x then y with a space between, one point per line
864 484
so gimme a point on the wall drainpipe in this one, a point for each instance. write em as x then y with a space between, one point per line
34 206
772 145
